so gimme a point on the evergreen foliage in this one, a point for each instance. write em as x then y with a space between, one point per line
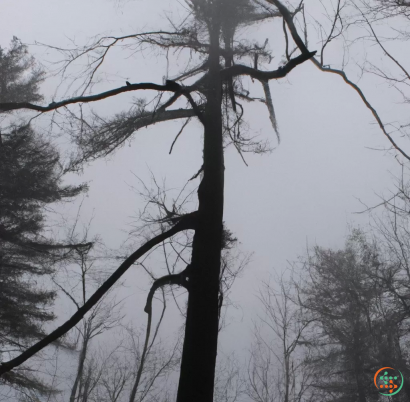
30 179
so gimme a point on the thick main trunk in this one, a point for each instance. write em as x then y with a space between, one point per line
196 381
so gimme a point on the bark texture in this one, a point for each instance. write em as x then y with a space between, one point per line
196 381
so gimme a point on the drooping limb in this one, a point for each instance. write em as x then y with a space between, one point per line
180 279
187 222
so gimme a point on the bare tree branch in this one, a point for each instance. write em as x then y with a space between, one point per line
7 106
301 45
181 279
240 69
179 133
186 223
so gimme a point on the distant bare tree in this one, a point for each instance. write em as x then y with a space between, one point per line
229 385
276 371
127 373
80 278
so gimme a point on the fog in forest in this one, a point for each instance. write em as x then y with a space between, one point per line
314 290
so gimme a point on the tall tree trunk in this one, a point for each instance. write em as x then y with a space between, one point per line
81 361
196 381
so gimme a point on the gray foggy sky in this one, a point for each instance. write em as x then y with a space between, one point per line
304 193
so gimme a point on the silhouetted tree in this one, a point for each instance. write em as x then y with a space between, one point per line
356 325
30 179
210 32
20 74
276 371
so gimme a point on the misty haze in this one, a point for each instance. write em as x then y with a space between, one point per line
204 201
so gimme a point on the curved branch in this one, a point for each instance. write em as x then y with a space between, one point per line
301 45
172 279
395 61
179 133
187 222
240 69
8 106
366 102
142 361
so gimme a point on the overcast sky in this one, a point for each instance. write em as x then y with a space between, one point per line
305 192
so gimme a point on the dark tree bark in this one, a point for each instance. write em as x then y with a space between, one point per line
100 139
196 381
